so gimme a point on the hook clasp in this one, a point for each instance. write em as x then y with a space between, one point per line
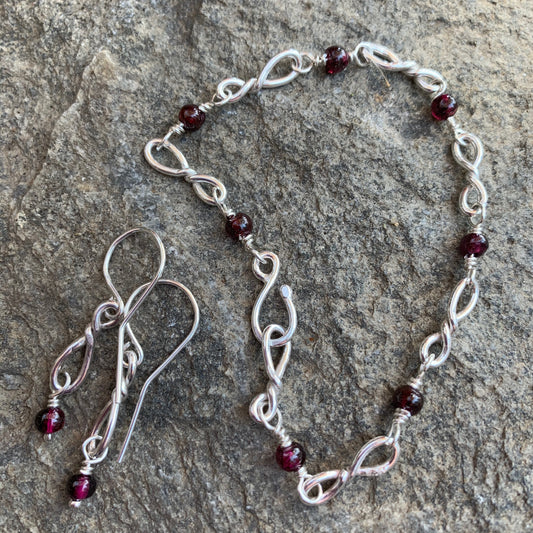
269 279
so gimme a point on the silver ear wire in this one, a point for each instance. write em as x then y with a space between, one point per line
165 363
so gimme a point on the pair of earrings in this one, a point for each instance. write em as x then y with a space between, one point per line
113 313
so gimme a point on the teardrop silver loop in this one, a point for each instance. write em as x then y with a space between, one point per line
155 164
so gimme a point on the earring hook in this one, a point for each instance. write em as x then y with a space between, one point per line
109 255
129 310
166 362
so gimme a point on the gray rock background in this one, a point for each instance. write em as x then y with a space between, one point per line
354 188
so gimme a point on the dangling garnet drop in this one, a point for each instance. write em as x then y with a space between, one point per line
81 487
50 420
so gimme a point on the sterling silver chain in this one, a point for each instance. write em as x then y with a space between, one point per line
434 350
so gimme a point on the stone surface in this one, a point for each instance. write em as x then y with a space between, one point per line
349 181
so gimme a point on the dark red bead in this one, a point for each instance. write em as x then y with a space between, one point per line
291 458
443 107
81 486
239 226
337 59
50 420
408 398
474 244
192 117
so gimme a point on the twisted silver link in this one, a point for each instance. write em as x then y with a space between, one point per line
264 407
225 94
218 194
87 342
428 80
449 326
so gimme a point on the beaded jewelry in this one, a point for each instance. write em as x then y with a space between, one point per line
113 313
434 350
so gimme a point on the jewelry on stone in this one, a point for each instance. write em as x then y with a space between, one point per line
109 314
408 400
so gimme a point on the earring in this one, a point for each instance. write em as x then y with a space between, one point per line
95 448
129 356
108 314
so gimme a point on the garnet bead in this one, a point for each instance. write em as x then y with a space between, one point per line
337 59
291 458
192 117
81 486
408 398
474 244
443 107
50 420
239 226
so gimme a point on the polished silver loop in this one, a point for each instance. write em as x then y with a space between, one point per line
477 219
312 60
226 93
457 316
309 483
190 175
357 468
90 457
227 96
109 255
476 208
87 342
152 161
380 55
262 412
275 373
429 80
259 408
263 82
265 406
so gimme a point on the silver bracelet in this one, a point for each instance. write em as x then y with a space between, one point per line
434 350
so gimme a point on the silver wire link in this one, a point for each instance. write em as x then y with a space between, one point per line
357 468
264 407
449 326
231 90
476 210
428 80
87 342
308 483
467 151
218 194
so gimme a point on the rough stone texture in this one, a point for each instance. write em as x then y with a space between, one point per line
348 181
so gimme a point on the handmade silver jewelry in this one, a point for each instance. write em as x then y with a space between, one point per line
434 350
109 314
